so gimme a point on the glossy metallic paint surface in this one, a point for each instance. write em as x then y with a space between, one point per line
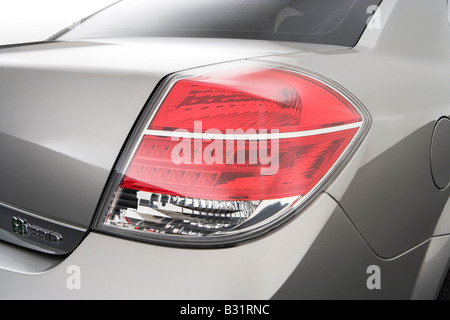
69 107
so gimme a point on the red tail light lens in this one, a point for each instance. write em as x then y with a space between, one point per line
225 147
294 167
253 99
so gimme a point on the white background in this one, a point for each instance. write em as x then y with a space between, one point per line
37 20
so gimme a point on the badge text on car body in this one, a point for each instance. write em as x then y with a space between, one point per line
22 228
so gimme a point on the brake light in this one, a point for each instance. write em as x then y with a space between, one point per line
228 153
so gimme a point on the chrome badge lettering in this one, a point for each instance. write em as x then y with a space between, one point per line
22 228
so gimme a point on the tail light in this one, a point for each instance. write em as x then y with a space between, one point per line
226 155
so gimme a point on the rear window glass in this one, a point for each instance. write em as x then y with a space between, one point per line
339 22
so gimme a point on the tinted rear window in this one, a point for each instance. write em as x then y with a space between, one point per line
339 22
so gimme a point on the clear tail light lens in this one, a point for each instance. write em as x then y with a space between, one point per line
226 155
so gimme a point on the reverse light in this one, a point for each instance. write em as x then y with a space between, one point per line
222 156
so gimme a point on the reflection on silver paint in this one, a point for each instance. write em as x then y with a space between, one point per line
443 225
435 264
15 260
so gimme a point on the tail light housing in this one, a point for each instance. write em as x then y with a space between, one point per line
222 155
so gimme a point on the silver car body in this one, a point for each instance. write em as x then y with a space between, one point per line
67 108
